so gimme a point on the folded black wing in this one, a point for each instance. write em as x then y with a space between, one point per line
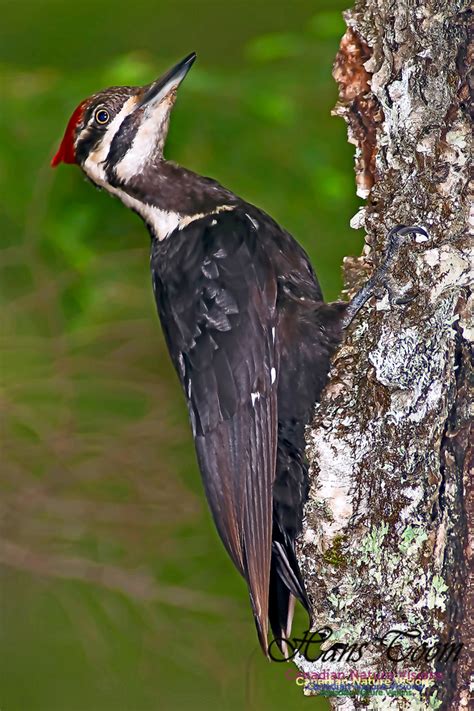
216 295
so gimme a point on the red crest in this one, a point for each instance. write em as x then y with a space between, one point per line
66 152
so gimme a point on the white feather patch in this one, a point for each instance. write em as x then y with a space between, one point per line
253 222
162 222
255 397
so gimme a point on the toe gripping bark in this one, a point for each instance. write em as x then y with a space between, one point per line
380 279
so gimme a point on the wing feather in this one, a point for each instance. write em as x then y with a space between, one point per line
218 312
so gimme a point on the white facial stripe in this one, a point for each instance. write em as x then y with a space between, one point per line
93 165
145 142
152 131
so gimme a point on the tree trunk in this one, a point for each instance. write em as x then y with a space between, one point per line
385 544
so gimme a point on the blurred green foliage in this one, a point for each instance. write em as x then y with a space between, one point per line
116 593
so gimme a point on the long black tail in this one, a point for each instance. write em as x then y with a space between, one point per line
290 492
304 366
286 586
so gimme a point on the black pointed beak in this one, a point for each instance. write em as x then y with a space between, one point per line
155 92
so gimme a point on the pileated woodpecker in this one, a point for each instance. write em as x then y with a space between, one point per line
246 327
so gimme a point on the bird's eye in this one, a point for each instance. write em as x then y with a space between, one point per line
102 116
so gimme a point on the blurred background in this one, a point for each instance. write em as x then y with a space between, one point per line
116 593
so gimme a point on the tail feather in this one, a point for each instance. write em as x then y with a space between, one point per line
286 586
278 607
261 623
289 619
289 572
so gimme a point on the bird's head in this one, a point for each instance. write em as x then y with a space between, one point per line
117 132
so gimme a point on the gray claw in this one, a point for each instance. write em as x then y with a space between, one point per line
379 278
408 229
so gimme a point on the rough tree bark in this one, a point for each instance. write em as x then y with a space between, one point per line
386 543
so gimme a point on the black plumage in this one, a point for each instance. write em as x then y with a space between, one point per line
251 339
246 326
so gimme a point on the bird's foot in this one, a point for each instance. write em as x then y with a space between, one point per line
381 281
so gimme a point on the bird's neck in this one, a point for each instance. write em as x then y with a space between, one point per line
168 197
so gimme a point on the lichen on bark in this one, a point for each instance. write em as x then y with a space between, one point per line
385 543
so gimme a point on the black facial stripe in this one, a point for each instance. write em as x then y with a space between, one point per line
121 143
88 142
89 136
